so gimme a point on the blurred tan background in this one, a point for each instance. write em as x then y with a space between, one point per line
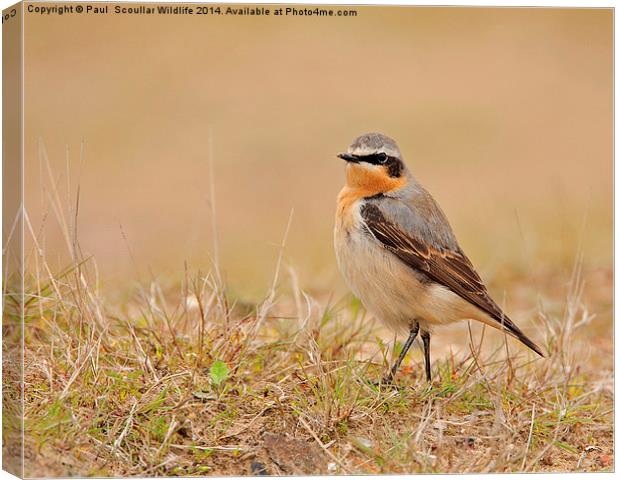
505 115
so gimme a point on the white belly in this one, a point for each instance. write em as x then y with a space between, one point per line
392 291
387 288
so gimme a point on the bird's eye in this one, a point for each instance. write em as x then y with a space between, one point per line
382 157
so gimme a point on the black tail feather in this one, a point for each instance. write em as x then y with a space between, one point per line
516 332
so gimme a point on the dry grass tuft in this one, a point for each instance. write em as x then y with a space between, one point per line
187 380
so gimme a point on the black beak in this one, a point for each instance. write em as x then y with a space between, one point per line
347 157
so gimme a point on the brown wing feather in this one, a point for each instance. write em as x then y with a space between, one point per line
450 268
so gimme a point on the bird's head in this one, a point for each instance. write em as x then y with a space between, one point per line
374 163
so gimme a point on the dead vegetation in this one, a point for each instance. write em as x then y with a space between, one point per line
186 380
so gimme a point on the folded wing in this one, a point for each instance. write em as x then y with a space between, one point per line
440 258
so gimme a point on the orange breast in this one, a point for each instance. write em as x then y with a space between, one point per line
362 183
371 181
345 206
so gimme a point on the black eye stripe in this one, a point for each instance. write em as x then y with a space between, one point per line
377 158
393 164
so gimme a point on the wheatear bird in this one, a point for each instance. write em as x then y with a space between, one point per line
397 252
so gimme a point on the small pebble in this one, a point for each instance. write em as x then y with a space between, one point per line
258 469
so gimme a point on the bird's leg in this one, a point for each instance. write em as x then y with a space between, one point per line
426 340
412 334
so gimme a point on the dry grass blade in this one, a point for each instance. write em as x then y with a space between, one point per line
187 379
